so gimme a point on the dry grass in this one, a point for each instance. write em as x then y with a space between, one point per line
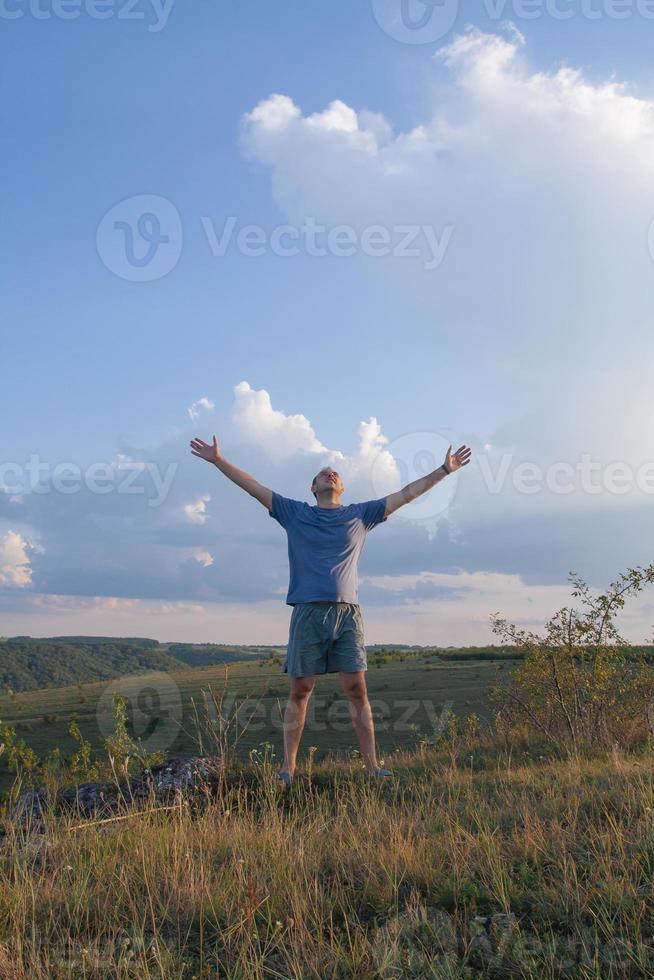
539 869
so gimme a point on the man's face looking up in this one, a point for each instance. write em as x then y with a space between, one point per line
327 480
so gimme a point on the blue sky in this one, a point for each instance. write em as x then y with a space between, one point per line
529 340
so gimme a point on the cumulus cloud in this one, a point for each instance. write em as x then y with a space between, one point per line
202 574
204 558
196 512
201 405
204 539
546 287
547 283
291 440
15 570
373 454
278 434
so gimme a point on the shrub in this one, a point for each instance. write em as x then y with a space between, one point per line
580 684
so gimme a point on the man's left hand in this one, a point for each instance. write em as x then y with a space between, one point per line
454 461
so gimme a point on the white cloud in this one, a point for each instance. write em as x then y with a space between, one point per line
455 607
374 461
462 617
290 439
451 608
113 603
547 283
204 558
275 113
196 512
173 621
337 116
280 435
177 609
15 569
201 405
123 461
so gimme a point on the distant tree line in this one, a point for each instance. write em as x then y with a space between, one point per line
390 654
28 664
207 654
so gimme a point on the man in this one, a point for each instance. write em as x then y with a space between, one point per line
326 629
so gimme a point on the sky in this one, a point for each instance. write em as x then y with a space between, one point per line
351 234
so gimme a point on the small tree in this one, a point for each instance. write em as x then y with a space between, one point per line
581 684
123 753
80 762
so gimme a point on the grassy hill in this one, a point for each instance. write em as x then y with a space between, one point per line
489 862
486 854
29 663
167 711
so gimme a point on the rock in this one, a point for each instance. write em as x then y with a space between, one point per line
172 780
91 799
492 935
29 808
481 944
181 775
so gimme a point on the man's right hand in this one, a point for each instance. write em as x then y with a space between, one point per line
239 477
205 451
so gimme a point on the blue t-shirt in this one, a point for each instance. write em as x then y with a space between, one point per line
324 544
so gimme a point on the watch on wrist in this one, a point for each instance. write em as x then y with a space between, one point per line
446 469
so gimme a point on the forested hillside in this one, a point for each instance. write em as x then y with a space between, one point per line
27 664
207 654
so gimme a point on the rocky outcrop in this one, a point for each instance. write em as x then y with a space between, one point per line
168 782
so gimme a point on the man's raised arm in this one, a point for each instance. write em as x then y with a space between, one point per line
242 479
453 461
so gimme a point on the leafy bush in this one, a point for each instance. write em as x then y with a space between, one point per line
581 684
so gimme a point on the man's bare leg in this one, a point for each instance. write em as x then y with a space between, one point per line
294 718
354 687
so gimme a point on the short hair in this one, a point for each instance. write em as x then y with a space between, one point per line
316 477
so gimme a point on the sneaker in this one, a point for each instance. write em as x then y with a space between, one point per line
285 779
381 772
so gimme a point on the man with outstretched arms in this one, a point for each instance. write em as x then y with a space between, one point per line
326 630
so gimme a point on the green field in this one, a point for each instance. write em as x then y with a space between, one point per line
486 855
493 861
406 697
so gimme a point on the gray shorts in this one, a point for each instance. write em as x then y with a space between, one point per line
325 637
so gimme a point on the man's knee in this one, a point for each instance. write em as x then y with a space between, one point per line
354 687
301 688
